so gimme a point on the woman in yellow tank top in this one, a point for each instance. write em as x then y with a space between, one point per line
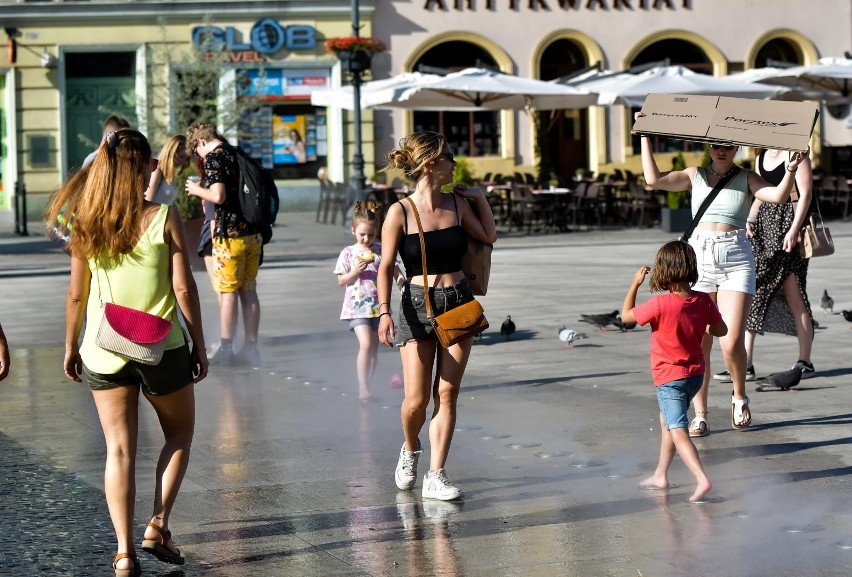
132 252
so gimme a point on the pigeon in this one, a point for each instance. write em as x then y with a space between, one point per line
507 328
600 321
623 326
568 336
784 380
847 315
827 303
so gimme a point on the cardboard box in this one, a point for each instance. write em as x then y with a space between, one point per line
720 119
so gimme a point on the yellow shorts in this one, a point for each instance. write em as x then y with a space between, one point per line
235 263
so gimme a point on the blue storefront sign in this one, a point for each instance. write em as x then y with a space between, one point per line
267 36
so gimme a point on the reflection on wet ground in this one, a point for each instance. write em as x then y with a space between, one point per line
289 478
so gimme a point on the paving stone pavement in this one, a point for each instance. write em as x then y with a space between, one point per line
291 475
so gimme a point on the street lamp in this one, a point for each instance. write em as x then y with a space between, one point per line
358 179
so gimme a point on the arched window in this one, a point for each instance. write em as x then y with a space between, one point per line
562 134
779 50
468 133
678 52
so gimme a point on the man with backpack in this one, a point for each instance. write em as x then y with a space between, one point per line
236 243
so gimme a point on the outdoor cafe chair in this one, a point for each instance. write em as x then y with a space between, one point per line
828 192
842 195
640 201
332 199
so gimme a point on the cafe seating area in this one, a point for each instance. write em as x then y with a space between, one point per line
588 202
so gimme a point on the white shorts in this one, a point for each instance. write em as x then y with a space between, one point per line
725 261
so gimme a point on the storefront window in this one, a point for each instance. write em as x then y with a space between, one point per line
280 127
468 133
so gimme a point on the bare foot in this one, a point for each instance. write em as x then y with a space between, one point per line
701 490
362 396
654 482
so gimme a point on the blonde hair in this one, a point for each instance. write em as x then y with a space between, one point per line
104 200
369 212
675 262
168 156
414 152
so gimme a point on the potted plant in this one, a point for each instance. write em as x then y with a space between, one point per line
553 184
355 52
676 215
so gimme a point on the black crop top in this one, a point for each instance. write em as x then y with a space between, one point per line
444 249
774 176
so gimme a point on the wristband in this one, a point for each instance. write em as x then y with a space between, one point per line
382 314
794 170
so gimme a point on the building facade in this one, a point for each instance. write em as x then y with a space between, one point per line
250 66
548 39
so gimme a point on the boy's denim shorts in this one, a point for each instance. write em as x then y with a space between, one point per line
674 398
412 322
725 261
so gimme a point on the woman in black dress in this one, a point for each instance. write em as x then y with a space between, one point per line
781 303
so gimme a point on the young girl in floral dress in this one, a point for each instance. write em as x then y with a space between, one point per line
356 269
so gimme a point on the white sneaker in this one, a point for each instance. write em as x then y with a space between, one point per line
406 468
437 486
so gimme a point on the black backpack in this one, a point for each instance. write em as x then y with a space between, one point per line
258 194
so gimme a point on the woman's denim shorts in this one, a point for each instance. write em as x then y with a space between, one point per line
725 261
674 399
413 324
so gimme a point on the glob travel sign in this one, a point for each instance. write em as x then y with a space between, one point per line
267 36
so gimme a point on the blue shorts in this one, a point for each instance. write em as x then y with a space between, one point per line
674 399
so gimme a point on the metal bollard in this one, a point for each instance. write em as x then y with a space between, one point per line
21 209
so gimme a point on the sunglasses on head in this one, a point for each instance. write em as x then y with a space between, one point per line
722 146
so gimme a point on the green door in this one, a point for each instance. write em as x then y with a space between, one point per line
88 103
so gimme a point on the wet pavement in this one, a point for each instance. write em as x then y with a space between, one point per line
291 475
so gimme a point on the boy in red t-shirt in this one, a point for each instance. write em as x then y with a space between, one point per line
678 322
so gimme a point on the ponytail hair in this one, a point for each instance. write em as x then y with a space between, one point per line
369 212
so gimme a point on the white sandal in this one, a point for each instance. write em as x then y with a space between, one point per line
738 418
698 427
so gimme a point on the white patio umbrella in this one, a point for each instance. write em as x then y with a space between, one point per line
833 75
371 92
631 89
469 89
765 76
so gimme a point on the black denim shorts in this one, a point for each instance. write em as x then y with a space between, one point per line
172 374
412 322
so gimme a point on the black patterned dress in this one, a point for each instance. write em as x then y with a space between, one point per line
769 310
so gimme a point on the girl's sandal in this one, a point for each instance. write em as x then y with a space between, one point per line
157 547
740 412
135 571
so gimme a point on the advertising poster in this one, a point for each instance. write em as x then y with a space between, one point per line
288 139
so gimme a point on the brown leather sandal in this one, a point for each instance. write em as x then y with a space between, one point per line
157 547
134 572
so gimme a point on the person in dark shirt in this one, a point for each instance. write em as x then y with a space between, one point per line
236 244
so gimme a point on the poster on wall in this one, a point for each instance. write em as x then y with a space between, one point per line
288 139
